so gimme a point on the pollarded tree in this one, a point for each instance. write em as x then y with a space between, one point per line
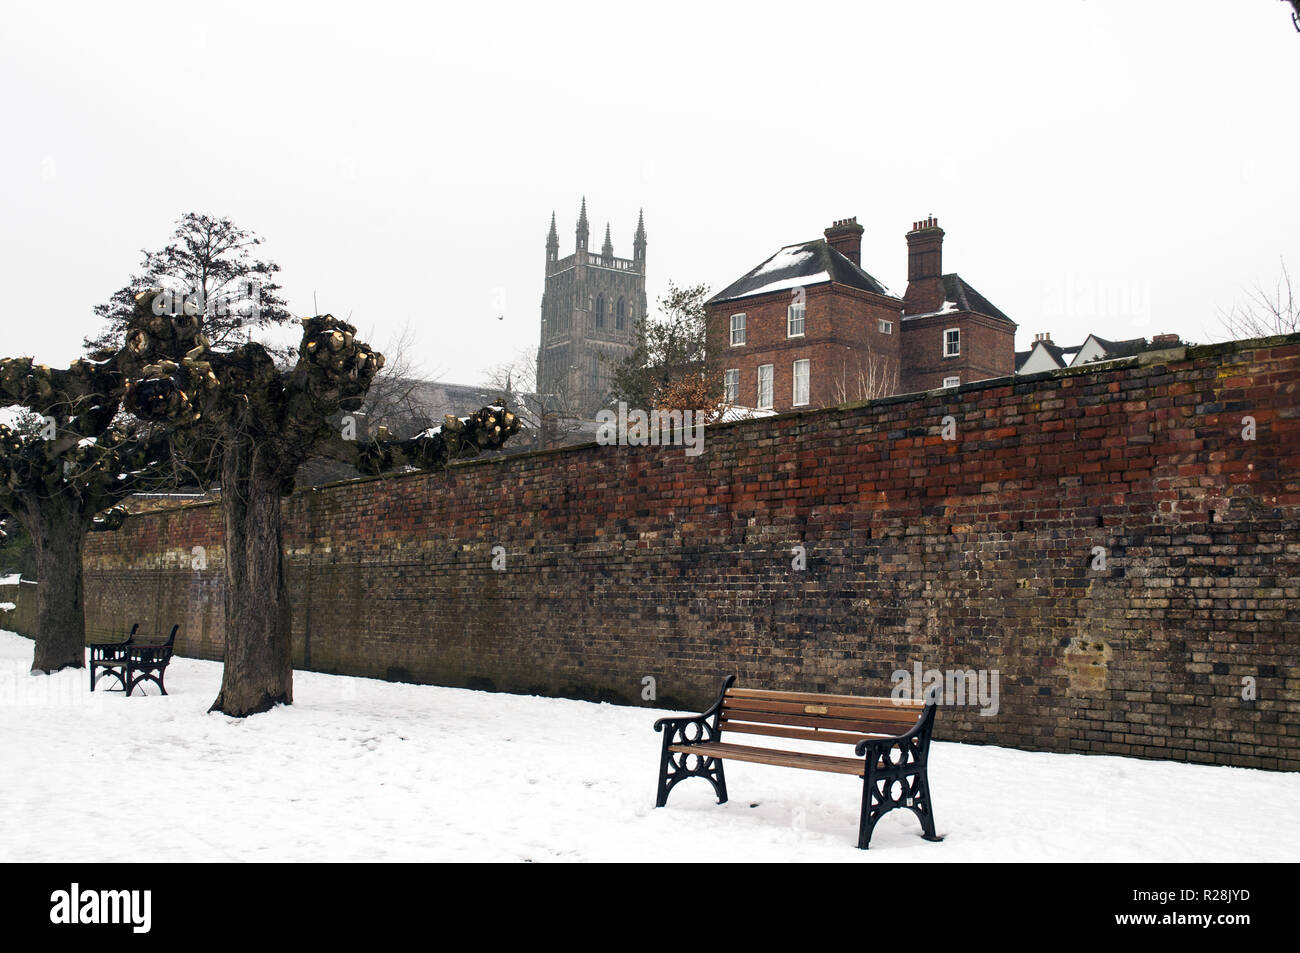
75 458
269 420
208 271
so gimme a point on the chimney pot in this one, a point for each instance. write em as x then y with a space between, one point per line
924 250
845 236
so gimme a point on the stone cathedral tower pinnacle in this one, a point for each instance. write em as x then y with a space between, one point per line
590 309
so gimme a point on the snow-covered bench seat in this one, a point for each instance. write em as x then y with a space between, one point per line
890 739
132 662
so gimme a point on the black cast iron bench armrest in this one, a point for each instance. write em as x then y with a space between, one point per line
884 743
703 716
672 723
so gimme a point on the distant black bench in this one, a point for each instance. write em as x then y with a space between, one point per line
891 739
132 662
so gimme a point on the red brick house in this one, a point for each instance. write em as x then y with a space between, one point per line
809 327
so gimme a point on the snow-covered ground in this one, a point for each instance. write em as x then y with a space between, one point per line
360 769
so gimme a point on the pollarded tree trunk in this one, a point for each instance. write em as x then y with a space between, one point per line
258 672
58 539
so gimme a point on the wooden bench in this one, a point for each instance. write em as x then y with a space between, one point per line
890 738
132 662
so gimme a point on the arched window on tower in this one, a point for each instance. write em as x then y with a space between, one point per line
620 318
600 311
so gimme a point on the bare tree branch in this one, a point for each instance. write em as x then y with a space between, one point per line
1265 312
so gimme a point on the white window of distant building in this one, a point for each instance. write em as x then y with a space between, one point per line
952 342
886 327
952 382
731 385
794 320
801 382
765 387
737 329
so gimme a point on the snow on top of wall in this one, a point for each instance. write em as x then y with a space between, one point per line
743 413
10 580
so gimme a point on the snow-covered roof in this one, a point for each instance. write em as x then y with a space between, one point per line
960 296
801 265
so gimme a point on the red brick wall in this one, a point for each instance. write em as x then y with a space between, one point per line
974 553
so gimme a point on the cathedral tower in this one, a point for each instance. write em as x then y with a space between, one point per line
590 308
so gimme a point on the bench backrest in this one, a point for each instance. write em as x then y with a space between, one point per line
171 638
845 719
151 644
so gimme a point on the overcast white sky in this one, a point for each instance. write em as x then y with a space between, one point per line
1113 166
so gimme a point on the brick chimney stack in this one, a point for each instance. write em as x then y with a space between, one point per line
924 268
845 236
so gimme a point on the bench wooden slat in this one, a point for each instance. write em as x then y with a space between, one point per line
785 759
819 699
804 734
864 725
900 716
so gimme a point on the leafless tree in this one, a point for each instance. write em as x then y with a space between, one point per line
548 417
393 399
865 375
1265 312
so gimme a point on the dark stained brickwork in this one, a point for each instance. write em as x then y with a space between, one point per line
975 553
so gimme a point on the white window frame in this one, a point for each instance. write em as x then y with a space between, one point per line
952 382
731 385
738 327
790 319
771 386
807 381
886 327
946 351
